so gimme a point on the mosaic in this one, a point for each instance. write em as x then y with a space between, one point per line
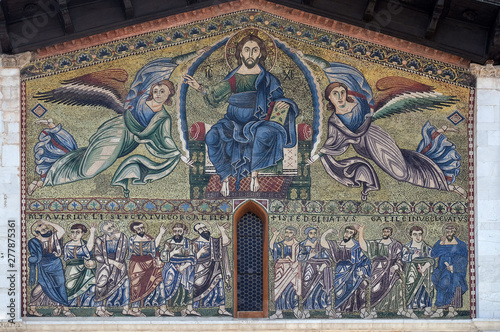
138 154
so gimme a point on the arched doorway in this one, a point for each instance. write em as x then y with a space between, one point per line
250 261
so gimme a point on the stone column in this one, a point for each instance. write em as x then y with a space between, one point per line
10 205
487 190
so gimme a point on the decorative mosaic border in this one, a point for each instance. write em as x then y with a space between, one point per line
113 205
255 18
24 186
471 207
124 206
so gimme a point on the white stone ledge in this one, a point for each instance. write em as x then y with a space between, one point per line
229 324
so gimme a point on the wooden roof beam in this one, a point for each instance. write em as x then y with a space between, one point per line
5 46
65 17
437 14
129 9
494 41
370 10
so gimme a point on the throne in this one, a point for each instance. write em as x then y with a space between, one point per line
289 179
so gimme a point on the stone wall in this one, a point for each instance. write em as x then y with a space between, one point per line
10 183
488 189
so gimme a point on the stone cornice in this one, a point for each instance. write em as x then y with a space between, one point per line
485 71
178 324
15 61
273 8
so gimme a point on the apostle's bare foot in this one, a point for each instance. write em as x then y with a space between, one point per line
297 313
66 312
135 313
34 186
224 312
225 188
188 311
277 315
163 312
33 312
254 183
100 312
57 311
437 314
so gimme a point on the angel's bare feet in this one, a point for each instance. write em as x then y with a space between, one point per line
34 186
457 189
444 129
225 188
254 182
47 123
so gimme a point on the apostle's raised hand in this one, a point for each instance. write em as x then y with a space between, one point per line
311 160
187 161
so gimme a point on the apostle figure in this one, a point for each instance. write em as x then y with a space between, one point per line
179 255
245 140
112 287
419 266
316 275
386 272
145 270
45 252
352 273
212 269
80 267
287 273
449 277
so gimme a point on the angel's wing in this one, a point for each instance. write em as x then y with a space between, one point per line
103 88
397 95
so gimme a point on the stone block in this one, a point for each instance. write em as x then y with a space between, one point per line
488 242
11 80
488 225
9 72
487 83
494 138
487 97
486 114
488 210
6 176
484 170
11 117
488 295
11 138
495 171
489 186
10 105
12 192
10 155
488 126
482 138
488 153
13 128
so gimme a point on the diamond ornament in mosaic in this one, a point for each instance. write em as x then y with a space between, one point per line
456 117
39 110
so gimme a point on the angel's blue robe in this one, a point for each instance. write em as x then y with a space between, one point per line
121 135
117 138
433 165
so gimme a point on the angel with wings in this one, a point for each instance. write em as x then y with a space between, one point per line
435 163
142 119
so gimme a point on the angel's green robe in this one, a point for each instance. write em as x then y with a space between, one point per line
117 138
